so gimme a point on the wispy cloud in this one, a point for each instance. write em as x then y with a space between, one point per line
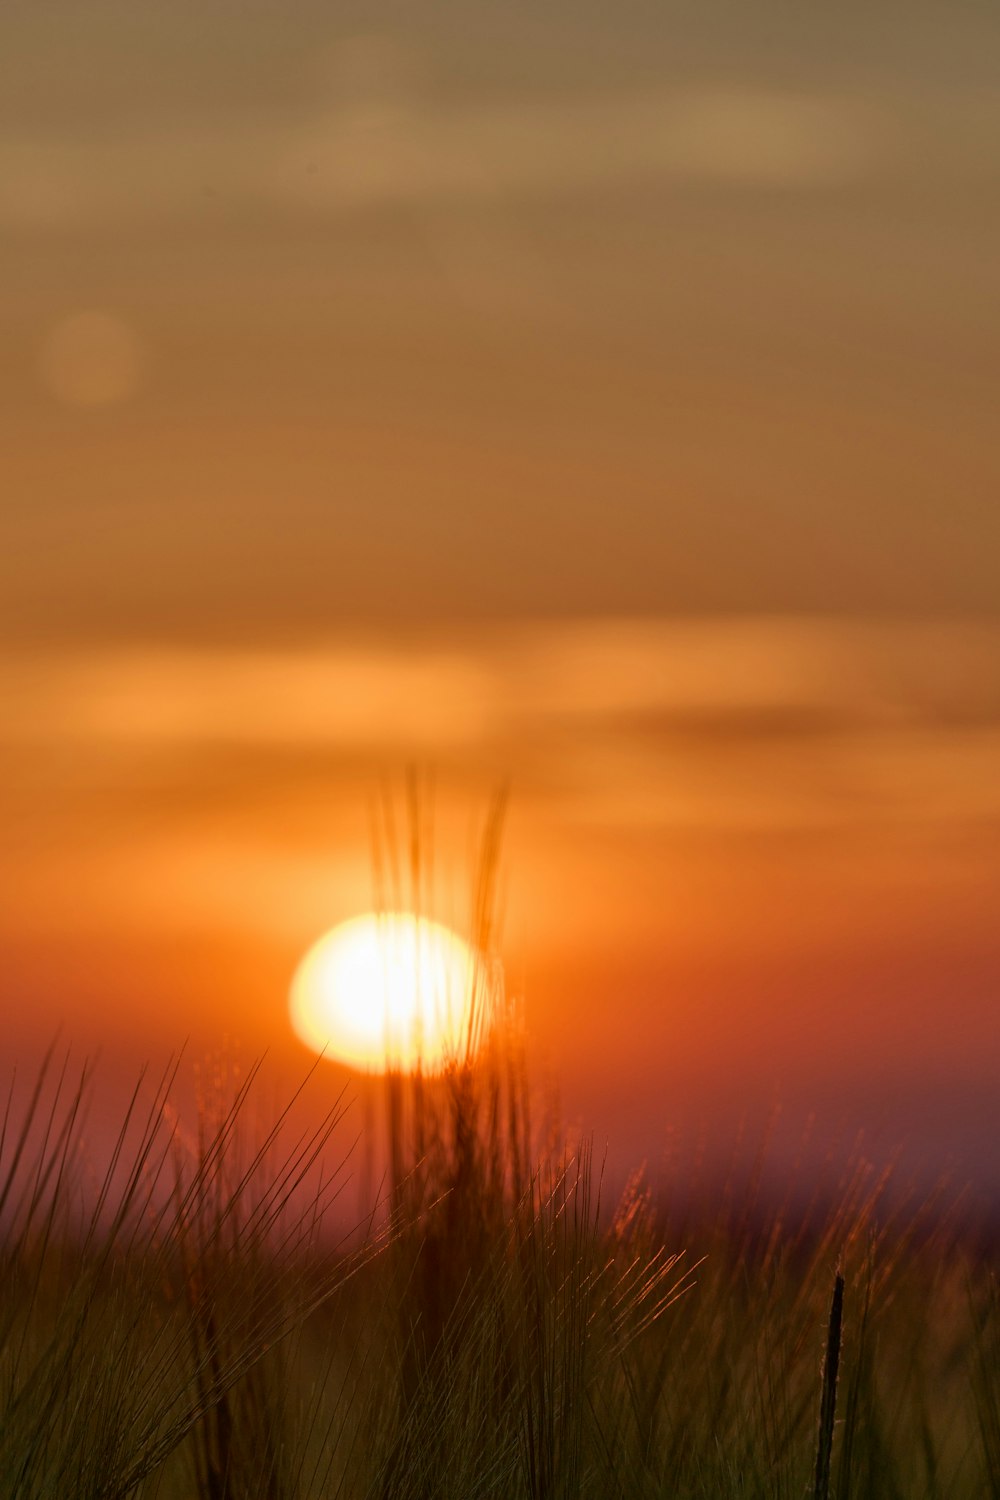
771 670
778 674
190 785
739 722
399 151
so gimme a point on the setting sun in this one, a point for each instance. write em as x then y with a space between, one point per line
389 990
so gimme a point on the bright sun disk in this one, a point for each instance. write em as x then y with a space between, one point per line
386 990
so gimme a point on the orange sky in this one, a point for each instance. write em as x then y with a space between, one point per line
598 402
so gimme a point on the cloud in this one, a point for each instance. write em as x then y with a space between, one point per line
394 151
772 677
174 698
728 136
193 780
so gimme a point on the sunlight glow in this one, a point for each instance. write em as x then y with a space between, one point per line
386 991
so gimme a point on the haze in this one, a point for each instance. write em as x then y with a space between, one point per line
596 399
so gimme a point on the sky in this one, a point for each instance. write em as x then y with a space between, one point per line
595 401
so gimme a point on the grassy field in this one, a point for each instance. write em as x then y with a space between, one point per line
186 1325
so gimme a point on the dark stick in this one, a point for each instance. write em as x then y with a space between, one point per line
828 1399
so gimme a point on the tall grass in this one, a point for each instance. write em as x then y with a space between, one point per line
135 1318
187 1324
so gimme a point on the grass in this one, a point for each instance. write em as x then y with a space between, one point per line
187 1325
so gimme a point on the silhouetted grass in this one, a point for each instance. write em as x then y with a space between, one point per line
186 1327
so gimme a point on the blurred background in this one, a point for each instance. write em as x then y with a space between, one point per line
595 400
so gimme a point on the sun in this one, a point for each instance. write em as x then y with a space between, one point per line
388 991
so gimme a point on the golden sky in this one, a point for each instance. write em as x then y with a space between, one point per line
596 398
